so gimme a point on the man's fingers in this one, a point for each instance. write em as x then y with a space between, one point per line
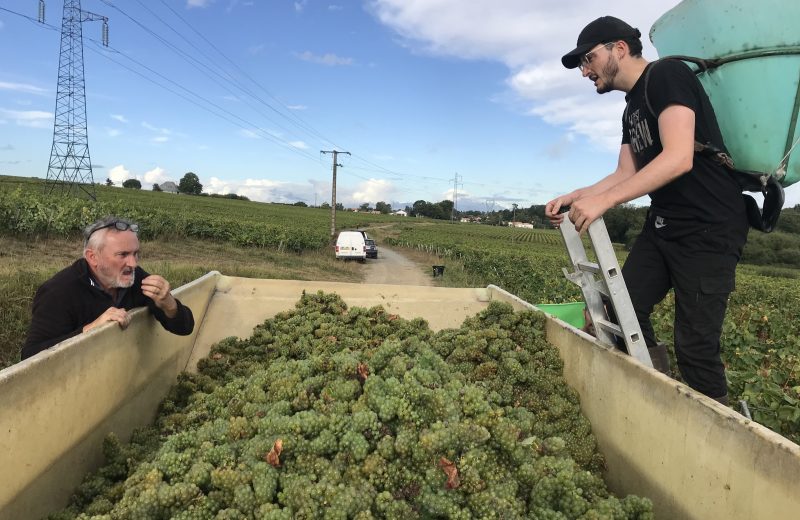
121 316
155 287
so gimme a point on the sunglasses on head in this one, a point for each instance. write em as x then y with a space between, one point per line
119 225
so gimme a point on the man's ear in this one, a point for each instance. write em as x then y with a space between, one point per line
622 48
90 255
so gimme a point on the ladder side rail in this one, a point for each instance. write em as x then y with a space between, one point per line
586 281
618 292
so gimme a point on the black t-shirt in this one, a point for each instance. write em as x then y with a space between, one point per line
707 193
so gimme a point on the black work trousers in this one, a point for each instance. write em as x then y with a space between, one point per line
699 262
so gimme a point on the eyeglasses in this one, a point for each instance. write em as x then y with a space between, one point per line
119 225
587 58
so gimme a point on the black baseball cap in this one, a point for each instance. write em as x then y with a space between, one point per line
603 30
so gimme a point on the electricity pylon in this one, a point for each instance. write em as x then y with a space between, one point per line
70 166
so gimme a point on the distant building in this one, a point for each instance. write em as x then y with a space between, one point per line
168 187
526 225
400 213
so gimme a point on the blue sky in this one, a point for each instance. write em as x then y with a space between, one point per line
246 94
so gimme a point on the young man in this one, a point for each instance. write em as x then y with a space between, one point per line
101 287
697 224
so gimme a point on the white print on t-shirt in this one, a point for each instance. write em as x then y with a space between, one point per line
639 130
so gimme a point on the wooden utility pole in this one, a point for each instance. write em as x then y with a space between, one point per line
333 189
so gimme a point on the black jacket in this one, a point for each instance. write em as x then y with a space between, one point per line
70 299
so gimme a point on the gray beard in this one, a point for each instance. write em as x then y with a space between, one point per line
124 285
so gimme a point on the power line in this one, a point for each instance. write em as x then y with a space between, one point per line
232 118
220 78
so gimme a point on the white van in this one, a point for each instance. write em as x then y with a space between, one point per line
351 245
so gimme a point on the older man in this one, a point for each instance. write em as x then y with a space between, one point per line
102 287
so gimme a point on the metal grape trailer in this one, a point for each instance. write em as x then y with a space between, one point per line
693 457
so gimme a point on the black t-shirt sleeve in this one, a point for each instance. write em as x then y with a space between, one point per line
672 82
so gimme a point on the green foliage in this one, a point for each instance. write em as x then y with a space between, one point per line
329 412
525 262
132 183
776 249
442 210
190 184
26 211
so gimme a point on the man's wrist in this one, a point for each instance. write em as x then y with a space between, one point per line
170 307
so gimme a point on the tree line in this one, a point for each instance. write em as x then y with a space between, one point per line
781 248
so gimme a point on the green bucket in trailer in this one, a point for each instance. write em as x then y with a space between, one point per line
756 88
571 313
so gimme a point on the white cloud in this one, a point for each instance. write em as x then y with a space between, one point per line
297 107
299 145
326 59
119 174
29 118
113 132
529 37
256 49
162 134
155 176
373 190
267 190
22 87
120 118
152 128
300 6
198 3
334 7
249 134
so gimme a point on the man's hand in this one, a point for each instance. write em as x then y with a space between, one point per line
552 208
588 209
157 289
121 316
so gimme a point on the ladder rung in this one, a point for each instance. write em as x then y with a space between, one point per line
587 267
604 278
610 327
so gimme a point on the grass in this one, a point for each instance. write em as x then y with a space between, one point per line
25 264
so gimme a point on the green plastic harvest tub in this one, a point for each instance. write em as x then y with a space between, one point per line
756 90
571 313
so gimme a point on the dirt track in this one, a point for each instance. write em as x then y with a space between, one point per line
393 268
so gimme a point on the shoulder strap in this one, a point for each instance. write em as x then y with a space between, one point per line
709 150
764 219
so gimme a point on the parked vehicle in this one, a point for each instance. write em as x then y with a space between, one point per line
372 248
351 245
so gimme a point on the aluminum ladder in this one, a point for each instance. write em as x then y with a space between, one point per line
604 278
